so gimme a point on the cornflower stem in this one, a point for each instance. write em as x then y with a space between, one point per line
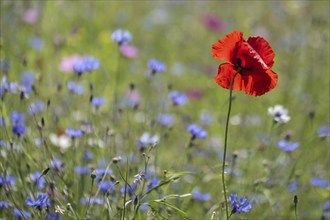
225 143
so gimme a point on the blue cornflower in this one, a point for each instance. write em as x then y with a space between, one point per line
153 183
74 133
36 107
287 146
243 205
106 186
21 214
98 101
319 182
36 178
2 143
75 87
197 132
165 119
121 36
146 139
2 121
42 201
88 155
82 170
4 65
94 200
205 118
53 216
326 210
4 204
139 177
7 86
129 190
7 180
293 186
88 64
17 117
323 131
102 171
56 164
156 66
178 98
197 195
27 81
36 43
18 129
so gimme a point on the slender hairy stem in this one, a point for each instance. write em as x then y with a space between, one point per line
225 144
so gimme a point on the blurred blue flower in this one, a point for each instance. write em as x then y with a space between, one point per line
144 208
88 64
165 119
287 146
8 86
18 129
4 65
323 131
139 177
75 87
205 118
98 101
4 204
36 178
2 121
129 190
106 186
146 139
94 200
178 98
293 186
156 66
36 43
74 133
27 82
82 170
152 183
121 36
319 182
17 117
197 131
326 210
36 107
42 201
197 195
7 180
88 155
2 143
21 214
56 164
243 205
53 216
102 171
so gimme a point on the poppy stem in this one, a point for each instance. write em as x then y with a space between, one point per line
225 143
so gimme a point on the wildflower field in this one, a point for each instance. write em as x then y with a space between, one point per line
164 110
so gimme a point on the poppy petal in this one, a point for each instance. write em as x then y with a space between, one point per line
253 84
262 47
226 72
259 83
226 48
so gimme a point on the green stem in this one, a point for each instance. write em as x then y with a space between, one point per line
225 144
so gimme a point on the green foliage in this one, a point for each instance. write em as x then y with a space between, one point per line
172 32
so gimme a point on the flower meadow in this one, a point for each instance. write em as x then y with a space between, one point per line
164 110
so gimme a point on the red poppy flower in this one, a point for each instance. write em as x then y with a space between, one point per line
253 59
